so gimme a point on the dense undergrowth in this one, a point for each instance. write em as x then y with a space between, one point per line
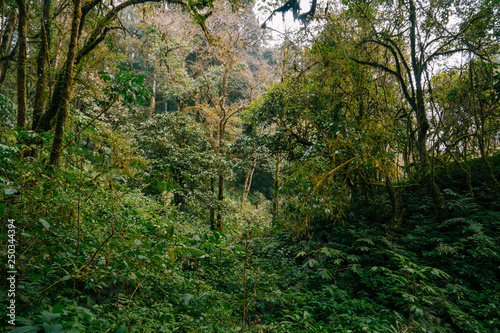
97 254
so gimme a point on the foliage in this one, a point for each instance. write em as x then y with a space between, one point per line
329 223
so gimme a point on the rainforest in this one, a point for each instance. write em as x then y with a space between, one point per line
250 166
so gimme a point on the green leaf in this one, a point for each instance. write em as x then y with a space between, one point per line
24 321
366 240
44 223
325 274
355 268
48 317
58 308
86 312
353 257
311 263
73 330
58 328
121 329
300 254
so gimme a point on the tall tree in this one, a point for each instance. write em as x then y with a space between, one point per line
90 23
414 36
22 31
5 45
227 83
42 63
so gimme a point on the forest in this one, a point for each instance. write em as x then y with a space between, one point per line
199 166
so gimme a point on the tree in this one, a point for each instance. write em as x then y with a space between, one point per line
413 36
225 78
6 53
465 120
180 153
406 38
66 84
333 122
90 23
42 63
22 30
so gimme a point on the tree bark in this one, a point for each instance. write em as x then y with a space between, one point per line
153 97
248 183
422 121
222 130
22 29
42 61
479 119
6 42
425 171
67 83
276 187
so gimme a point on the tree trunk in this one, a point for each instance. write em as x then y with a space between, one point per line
482 146
22 29
248 183
397 211
212 209
220 223
419 104
42 61
276 187
479 119
179 198
153 98
67 83
6 42
57 56
425 171
423 127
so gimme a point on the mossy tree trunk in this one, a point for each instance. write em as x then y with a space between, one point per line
66 84
22 29
42 61
6 43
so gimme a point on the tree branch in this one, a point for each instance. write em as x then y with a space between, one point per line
404 86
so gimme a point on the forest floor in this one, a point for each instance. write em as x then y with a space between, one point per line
119 261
